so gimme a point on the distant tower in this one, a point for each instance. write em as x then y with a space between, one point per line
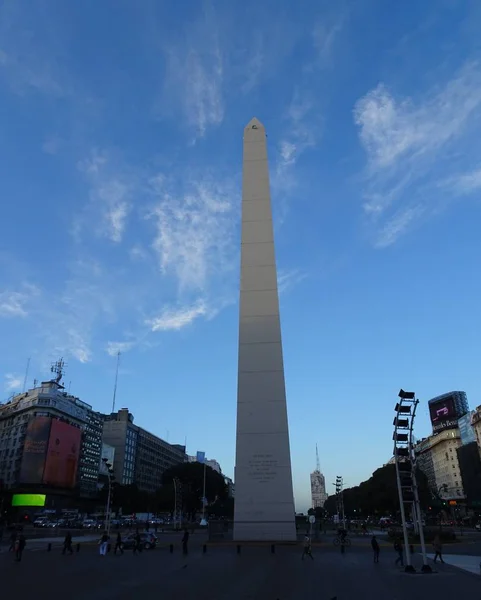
318 485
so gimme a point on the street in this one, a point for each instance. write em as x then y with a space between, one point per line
221 573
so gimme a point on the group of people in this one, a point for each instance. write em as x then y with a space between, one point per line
398 548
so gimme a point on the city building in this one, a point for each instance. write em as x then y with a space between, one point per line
445 410
212 463
230 487
50 441
318 485
140 457
437 457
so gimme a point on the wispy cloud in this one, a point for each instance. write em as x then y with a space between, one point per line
13 383
113 348
173 319
324 35
110 193
194 227
289 278
408 143
465 183
195 75
16 303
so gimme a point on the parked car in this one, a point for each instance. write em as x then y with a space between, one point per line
41 522
148 541
90 524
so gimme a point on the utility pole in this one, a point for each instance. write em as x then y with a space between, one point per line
116 379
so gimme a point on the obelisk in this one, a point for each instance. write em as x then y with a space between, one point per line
264 500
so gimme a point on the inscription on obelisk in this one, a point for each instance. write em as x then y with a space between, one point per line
264 501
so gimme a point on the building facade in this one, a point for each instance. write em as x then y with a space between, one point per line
446 409
50 441
437 455
140 456
318 489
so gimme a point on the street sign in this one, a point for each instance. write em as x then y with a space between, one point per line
312 519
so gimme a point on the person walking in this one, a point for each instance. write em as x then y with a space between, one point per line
118 544
185 542
104 542
398 547
137 543
13 539
375 548
67 543
438 549
307 549
20 547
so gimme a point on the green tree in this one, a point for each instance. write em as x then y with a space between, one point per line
191 478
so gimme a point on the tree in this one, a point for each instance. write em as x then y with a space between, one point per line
191 478
378 495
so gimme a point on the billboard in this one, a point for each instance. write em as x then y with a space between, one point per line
28 500
108 452
62 455
443 414
35 450
466 430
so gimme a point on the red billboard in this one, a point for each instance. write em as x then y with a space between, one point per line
35 450
62 455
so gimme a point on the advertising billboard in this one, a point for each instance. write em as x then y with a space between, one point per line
62 455
443 414
35 450
466 430
108 453
28 500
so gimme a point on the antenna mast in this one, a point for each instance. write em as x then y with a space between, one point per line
26 375
116 379
318 464
58 368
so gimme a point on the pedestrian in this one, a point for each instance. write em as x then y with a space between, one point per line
118 544
398 547
137 543
438 549
307 549
13 539
20 547
375 548
67 543
104 542
185 541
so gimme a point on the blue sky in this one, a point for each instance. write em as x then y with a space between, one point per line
120 174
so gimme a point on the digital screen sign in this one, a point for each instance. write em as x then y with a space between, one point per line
35 450
62 455
28 500
443 410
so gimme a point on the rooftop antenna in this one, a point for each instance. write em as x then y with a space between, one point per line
34 383
116 379
58 368
26 375
318 464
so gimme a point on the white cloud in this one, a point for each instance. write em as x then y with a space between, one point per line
110 194
16 303
173 319
324 35
466 183
52 145
409 144
195 75
13 383
397 225
194 230
113 348
289 278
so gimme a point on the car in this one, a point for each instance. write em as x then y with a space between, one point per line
147 540
41 522
90 524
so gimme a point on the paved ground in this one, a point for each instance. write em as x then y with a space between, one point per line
222 574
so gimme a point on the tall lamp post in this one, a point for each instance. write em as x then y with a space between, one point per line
340 500
405 461
111 479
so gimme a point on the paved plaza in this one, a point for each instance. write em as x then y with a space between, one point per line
223 574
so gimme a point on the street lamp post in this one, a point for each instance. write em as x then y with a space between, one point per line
110 478
405 462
